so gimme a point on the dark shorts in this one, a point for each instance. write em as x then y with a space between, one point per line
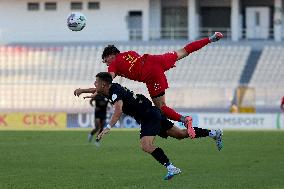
100 115
159 64
155 123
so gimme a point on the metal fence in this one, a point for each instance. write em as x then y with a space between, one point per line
174 33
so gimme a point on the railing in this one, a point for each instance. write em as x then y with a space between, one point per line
160 33
207 31
172 33
169 33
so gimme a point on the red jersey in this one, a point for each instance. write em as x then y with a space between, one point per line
128 64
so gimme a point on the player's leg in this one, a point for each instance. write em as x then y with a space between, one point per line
100 128
212 133
196 45
178 133
156 87
218 138
147 145
169 129
160 102
95 130
150 127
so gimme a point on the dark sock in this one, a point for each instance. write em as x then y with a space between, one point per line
93 131
160 156
201 132
182 119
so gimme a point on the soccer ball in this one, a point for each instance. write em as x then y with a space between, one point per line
76 21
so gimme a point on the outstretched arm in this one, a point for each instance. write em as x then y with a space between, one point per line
92 97
79 91
92 102
116 113
114 118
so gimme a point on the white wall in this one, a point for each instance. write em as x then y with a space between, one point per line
105 24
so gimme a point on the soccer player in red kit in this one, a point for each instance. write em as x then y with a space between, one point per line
150 69
282 104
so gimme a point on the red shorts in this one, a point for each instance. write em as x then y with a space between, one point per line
154 72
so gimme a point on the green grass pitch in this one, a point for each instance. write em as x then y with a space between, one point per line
64 159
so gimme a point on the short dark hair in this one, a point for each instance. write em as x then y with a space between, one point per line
105 76
110 50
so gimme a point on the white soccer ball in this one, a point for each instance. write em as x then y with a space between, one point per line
76 21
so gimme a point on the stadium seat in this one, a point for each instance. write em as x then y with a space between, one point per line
269 72
45 77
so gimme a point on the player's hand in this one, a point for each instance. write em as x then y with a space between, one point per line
77 92
105 131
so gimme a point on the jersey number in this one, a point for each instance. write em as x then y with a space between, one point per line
131 61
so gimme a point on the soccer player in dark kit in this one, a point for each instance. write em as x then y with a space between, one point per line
150 69
99 102
152 121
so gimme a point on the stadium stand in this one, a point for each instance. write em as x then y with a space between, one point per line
269 64
269 72
44 77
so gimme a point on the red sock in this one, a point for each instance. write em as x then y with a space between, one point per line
196 45
170 113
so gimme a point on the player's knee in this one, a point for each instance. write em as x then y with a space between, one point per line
163 103
147 148
160 104
182 134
